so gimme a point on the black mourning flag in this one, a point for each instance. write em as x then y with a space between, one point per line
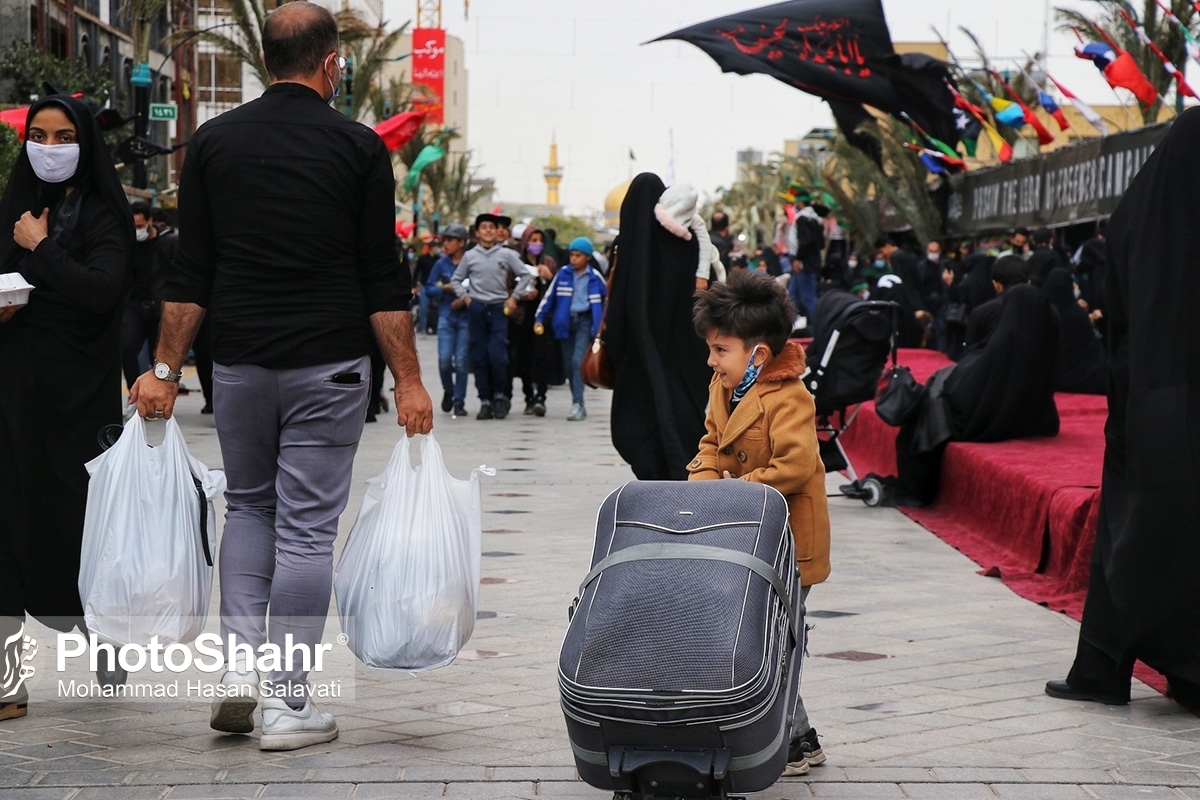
835 49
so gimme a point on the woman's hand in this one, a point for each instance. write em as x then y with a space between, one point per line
8 312
544 272
30 230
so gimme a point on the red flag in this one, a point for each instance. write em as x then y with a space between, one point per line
1043 133
399 130
1124 72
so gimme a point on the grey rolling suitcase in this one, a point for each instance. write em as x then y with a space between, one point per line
679 667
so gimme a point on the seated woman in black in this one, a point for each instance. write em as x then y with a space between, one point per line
1084 362
1002 388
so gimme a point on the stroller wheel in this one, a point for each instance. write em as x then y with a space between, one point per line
872 492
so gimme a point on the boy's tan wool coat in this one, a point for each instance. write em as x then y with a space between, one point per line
771 438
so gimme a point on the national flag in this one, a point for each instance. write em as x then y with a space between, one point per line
838 49
1001 147
1044 135
969 130
935 161
1168 65
1120 70
1047 102
939 144
1008 113
1090 114
1190 43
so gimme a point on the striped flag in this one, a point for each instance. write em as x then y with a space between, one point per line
1047 102
1089 113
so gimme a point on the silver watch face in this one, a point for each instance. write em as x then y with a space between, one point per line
162 371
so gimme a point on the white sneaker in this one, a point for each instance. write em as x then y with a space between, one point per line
233 711
285 729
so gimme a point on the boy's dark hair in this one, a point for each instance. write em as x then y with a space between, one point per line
881 242
1042 237
752 306
140 207
720 221
296 42
1010 271
1021 232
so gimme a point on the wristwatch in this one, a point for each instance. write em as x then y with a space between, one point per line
163 373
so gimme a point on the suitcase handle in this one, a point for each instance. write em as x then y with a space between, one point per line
701 552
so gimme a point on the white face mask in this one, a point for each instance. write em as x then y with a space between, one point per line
142 234
53 163
933 257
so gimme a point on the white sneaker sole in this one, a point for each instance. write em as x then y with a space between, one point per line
233 715
795 769
294 740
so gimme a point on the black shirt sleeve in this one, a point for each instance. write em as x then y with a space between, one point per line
386 287
190 278
97 282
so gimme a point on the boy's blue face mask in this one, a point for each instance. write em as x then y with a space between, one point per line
748 378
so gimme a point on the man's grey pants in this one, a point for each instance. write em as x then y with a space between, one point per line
288 439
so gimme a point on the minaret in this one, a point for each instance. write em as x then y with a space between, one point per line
553 173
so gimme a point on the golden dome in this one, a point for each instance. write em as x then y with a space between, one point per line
612 203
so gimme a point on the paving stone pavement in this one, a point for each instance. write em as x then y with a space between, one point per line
948 704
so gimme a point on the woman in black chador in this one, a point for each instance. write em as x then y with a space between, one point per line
65 227
1085 366
660 370
1143 600
1002 388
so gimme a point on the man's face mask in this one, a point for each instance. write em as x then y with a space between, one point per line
335 86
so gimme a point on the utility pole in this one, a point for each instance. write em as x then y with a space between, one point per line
141 82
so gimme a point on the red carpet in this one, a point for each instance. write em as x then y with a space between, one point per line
1024 510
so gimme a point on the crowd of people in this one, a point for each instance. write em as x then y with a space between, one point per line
705 378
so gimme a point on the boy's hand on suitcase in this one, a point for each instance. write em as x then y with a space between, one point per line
726 474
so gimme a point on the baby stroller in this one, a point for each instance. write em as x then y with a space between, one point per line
846 358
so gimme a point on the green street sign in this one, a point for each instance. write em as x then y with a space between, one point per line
163 111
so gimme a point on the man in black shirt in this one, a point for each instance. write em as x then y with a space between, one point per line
286 239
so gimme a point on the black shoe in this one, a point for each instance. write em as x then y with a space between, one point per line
207 409
485 412
447 401
529 404
501 407
809 747
459 411
371 418
1064 691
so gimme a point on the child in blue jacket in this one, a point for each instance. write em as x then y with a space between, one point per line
575 305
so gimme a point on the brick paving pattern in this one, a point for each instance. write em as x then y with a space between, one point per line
950 706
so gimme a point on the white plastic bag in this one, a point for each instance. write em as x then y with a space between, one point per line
144 571
407 583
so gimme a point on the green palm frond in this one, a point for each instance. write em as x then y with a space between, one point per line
1107 23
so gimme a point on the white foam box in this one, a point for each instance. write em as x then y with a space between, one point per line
14 290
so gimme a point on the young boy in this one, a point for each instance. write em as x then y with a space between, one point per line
761 425
489 302
575 305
